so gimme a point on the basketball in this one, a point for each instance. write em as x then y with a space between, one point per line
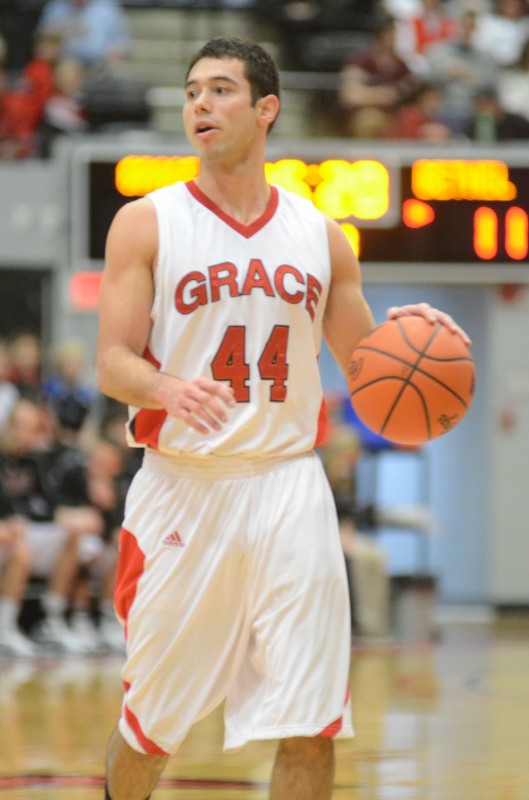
411 380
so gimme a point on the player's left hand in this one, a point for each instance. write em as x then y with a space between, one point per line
431 314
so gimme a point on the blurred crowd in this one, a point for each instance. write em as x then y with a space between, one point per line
78 48
65 469
432 70
437 71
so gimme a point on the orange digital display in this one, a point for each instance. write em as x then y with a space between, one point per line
463 210
461 179
341 189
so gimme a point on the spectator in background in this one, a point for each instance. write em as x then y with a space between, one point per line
491 123
92 31
64 113
502 33
67 390
513 85
418 119
16 120
54 532
9 394
461 71
375 83
418 33
25 364
93 481
369 582
37 79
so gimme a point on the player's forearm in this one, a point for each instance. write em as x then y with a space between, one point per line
130 379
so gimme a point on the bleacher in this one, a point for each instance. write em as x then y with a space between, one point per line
308 51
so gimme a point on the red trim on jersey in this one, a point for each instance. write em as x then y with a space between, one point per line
148 356
322 434
146 424
148 745
129 571
245 230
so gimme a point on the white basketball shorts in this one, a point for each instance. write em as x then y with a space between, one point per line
232 586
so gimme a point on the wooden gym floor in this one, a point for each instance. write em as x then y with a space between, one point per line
442 721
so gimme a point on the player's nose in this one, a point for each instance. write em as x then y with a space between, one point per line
202 101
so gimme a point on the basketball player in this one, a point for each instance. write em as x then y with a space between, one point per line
231 582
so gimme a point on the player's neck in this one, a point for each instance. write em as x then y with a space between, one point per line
241 196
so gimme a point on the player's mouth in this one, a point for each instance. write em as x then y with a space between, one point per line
204 128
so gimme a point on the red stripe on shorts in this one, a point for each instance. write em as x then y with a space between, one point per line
148 745
335 727
322 433
129 571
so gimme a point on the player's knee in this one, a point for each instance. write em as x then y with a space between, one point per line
307 748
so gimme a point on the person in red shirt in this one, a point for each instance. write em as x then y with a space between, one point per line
418 33
37 80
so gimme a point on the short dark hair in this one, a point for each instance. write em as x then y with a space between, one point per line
261 71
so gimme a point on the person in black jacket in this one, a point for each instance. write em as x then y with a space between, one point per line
53 531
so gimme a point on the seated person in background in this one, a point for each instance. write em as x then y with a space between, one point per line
366 562
24 353
418 33
513 85
417 119
460 70
64 112
491 123
9 394
374 84
17 133
66 390
94 482
54 533
502 32
37 80
92 31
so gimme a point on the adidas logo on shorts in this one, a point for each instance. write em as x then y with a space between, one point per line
173 540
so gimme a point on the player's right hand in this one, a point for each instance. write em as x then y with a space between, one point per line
201 403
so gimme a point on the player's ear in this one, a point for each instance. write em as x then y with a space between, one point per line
268 108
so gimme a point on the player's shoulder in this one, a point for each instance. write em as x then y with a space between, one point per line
172 196
134 214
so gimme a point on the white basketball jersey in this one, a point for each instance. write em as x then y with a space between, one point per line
244 305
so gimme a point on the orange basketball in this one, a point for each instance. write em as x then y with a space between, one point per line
411 380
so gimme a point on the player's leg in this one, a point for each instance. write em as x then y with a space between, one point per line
180 599
293 684
303 769
130 775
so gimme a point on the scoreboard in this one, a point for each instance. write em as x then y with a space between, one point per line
444 214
